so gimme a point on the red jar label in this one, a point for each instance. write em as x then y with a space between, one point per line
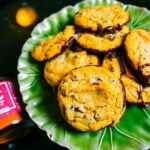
8 99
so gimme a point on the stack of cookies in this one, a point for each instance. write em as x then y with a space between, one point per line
103 27
90 65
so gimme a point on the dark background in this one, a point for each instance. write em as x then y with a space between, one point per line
12 37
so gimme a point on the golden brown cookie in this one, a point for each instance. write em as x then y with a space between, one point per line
56 68
91 98
52 46
132 89
93 18
113 62
137 45
97 43
135 92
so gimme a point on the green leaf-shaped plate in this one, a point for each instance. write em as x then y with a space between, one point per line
133 131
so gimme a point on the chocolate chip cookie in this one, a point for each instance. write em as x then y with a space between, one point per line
91 98
137 45
101 17
56 68
52 46
98 43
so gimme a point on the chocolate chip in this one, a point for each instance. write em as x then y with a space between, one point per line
72 107
76 57
100 30
70 42
118 27
80 109
74 77
112 69
109 29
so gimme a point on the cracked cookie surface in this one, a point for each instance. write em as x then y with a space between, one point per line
97 17
113 62
56 68
53 46
135 92
106 43
137 45
132 88
90 98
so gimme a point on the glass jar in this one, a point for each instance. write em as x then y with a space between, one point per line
14 122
